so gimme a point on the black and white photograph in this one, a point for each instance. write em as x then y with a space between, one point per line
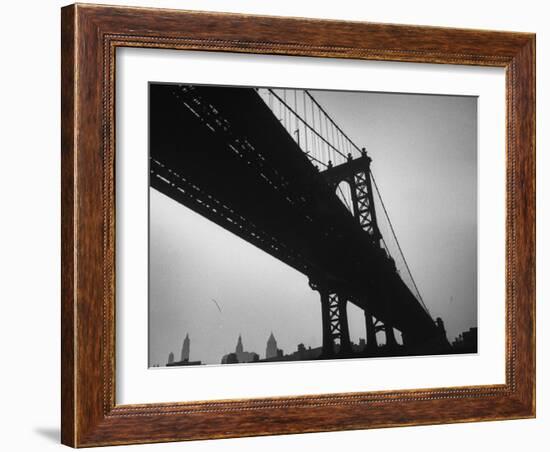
298 225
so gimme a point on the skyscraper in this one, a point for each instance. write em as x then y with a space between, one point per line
185 348
240 356
170 358
271 349
239 348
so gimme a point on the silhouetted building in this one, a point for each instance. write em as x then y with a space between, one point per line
240 356
184 356
466 342
271 350
184 363
185 348
239 347
230 358
302 353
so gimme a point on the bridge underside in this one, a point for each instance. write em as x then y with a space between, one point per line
222 153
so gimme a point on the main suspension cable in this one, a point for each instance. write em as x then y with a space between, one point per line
398 245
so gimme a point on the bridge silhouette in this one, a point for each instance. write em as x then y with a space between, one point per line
272 167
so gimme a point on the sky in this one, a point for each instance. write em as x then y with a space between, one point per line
209 283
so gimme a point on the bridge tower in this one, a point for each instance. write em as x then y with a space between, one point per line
334 320
356 173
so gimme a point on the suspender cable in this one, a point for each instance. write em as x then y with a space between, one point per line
336 125
305 116
312 129
296 128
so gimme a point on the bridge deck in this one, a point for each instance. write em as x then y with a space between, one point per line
222 153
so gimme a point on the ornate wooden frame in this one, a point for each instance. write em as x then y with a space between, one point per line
90 35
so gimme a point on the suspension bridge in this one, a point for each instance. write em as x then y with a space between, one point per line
273 167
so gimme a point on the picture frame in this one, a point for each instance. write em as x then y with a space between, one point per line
90 36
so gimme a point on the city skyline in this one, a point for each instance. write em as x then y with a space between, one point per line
464 341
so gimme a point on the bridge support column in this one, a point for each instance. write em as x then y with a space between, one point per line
345 343
372 343
328 343
335 323
391 342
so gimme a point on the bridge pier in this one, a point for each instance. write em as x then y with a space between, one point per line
334 322
391 342
328 345
345 342
372 343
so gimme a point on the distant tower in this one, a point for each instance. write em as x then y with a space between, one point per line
239 347
271 350
185 348
170 358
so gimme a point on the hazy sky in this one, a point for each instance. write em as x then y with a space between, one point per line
425 163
